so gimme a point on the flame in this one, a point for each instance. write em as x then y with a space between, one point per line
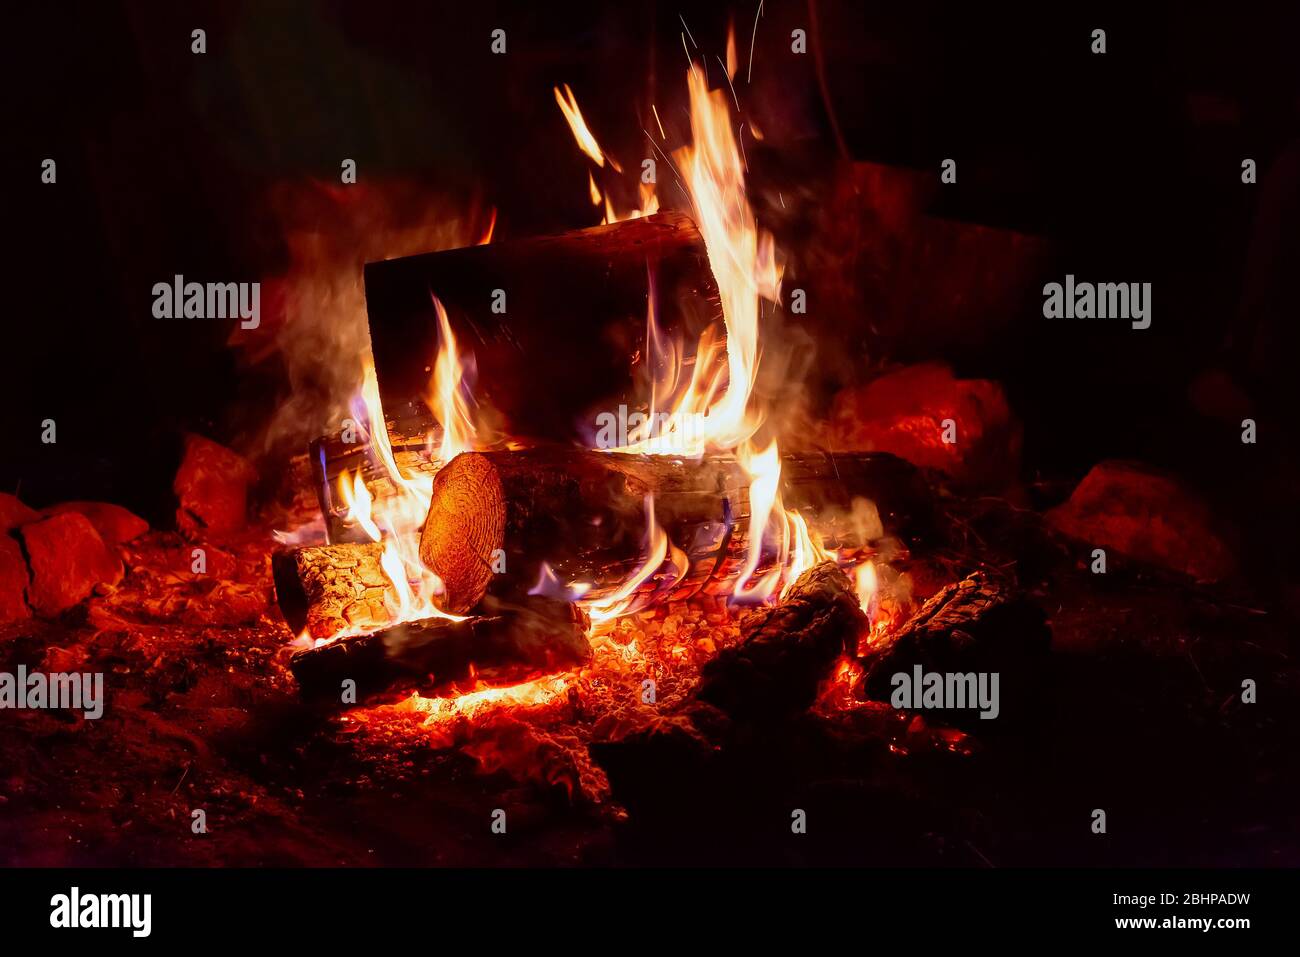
397 518
807 551
711 409
868 589
356 496
700 400
586 142
449 401
764 471
649 202
491 227
743 261
656 548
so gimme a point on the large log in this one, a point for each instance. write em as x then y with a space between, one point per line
584 514
532 311
539 636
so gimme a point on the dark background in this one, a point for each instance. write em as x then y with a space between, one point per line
1127 163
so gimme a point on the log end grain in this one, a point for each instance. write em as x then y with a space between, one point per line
464 529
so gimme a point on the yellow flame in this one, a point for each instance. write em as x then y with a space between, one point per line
356 496
867 588
449 403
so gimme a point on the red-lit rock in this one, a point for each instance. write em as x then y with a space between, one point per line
212 486
13 581
14 513
68 559
905 412
1146 515
114 523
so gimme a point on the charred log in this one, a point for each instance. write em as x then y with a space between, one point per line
787 649
496 517
537 636
977 625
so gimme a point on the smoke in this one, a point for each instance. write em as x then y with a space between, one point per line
315 337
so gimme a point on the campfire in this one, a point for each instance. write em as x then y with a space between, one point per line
679 558
733 504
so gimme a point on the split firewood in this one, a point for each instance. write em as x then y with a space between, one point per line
787 649
328 589
977 625
539 635
496 517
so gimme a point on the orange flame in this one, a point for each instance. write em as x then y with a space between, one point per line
586 142
649 202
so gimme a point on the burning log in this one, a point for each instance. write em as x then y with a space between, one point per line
538 635
787 649
975 625
496 517
510 304
329 589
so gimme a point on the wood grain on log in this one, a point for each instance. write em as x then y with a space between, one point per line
331 588
584 514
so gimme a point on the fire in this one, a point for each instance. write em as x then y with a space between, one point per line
764 470
649 202
452 380
712 409
868 589
395 520
743 259
356 496
586 142
657 549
